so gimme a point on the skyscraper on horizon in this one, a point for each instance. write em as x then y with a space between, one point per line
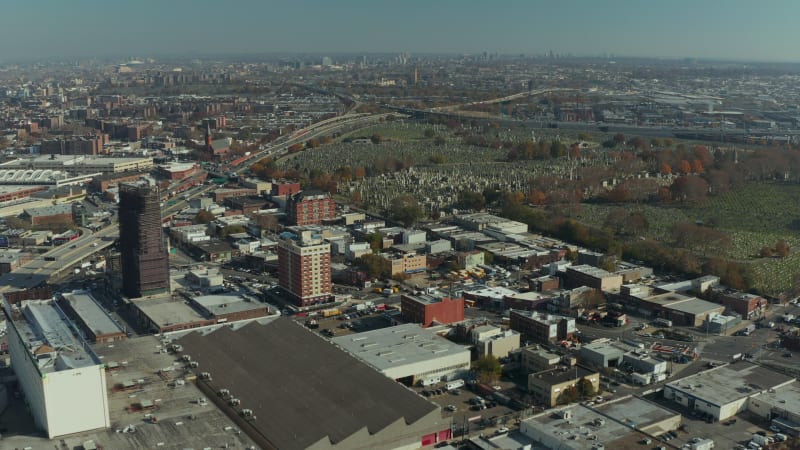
145 263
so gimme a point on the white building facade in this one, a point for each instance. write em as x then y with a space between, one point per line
63 381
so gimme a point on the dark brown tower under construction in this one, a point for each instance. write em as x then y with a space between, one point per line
145 264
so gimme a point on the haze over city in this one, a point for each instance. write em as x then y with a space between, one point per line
340 225
735 30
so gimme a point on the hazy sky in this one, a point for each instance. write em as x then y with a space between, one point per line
729 29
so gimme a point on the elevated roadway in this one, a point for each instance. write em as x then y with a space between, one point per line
48 266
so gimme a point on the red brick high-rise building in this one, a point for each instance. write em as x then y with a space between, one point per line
304 268
310 208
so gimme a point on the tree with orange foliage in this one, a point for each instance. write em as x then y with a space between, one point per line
684 167
697 166
537 197
666 169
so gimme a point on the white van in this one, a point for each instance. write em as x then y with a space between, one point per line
455 384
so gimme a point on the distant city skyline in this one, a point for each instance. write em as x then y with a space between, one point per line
737 30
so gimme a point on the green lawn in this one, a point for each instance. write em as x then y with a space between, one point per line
754 216
400 130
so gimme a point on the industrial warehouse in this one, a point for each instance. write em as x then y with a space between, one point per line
337 403
408 353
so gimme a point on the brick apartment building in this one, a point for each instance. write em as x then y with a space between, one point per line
284 188
310 207
427 309
76 145
304 268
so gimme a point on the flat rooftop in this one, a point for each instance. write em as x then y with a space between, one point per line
562 374
164 311
668 298
427 299
52 342
228 303
71 160
86 307
683 303
583 430
730 382
636 413
591 271
301 400
397 346
786 398
604 348
697 306
497 292
541 317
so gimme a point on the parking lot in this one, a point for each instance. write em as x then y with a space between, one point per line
727 434
463 409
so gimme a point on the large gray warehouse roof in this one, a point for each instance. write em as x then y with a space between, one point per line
401 345
301 387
